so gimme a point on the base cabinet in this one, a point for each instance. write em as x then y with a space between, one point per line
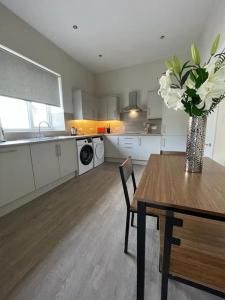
45 163
112 146
52 161
174 143
148 145
138 147
16 175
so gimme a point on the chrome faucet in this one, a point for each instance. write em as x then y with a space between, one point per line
39 127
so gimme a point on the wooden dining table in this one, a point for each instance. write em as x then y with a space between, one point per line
165 185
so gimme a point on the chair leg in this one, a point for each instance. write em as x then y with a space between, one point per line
157 222
127 231
132 219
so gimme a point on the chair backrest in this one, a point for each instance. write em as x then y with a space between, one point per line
127 171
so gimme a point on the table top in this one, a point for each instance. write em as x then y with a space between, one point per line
166 183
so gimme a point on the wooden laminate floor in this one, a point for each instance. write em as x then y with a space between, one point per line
68 244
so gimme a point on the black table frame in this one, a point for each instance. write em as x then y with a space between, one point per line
168 241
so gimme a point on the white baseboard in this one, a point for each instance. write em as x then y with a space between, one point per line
120 160
23 200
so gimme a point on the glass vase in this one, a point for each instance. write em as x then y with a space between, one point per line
195 144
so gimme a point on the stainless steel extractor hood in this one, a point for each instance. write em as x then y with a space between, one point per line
133 99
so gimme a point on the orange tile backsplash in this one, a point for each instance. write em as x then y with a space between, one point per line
90 126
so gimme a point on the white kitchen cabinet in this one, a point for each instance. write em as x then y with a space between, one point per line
84 105
154 105
174 122
112 146
45 163
148 145
102 110
108 108
67 157
138 147
16 175
112 108
53 160
174 143
128 146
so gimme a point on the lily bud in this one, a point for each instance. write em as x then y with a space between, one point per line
176 64
195 54
215 45
169 65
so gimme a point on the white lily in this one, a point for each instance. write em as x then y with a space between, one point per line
210 67
165 83
212 88
173 98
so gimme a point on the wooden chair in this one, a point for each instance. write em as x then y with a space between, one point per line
126 171
200 256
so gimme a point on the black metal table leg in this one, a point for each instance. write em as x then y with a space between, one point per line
166 254
141 228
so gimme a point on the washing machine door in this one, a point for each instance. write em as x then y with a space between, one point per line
86 154
99 151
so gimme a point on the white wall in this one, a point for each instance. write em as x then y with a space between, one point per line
216 24
141 77
20 37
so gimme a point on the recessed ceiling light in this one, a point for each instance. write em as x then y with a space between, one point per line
162 37
75 27
100 55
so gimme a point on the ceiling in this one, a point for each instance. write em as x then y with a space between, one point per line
125 32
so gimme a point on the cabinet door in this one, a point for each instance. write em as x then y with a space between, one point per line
112 147
148 145
154 105
67 157
16 175
45 163
87 106
174 143
174 122
112 108
128 146
102 110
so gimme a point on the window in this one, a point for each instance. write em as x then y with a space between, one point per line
20 115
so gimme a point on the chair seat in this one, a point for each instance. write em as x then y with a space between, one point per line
150 211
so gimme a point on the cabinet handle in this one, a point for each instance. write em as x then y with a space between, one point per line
57 150
118 141
139 141
164 128
8 151
59 147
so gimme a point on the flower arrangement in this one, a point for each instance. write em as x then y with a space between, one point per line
194 87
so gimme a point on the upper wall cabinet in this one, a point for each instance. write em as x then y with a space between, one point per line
154 105
108 108
85 106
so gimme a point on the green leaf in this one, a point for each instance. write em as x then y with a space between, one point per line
169 65
185 77
215 45
195 54
176 64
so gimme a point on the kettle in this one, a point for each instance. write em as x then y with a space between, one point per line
2 135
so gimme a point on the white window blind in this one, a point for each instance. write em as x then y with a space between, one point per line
22 79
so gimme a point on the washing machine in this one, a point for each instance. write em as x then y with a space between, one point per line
98 146
85 155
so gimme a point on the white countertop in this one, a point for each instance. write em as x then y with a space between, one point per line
65 137
44 140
